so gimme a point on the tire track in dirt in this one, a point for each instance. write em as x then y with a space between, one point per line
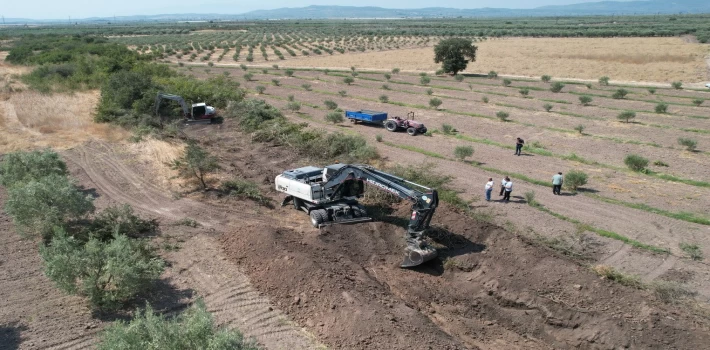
227 292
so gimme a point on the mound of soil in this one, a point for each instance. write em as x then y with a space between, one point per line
488 289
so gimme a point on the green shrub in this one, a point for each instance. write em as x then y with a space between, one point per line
424 80
524 91
557 87
588 85
119 220
459 77
248 76
435 103
195 162
677 85
530 199
378 137
503 116
306 87
698 102
636 162
348 80
651 91
462 152
109 273
429 92
575 179
329 104
192 329
689 144
604 81
275 82
22 167
661 108
275 66
260 89
547 107
492 74
693 251
439 72
611 274
620 94
546 78
39 205
388 76
626 116
243 66
422 74
585 100
291 98
334 117
580 128
395 70
448 129
293 106
342 93
384 99
660 163
245 189
353 68
506 82
289 72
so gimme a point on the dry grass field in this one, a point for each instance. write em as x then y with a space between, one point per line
629 59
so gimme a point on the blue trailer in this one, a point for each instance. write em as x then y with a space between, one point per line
365 116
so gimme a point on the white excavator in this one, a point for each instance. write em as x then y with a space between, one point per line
199 113
330 196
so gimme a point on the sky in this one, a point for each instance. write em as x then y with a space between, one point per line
60 9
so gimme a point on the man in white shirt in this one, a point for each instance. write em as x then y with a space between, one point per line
508 189
502 186
489 189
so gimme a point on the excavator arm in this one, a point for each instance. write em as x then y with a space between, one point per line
424 204
161 96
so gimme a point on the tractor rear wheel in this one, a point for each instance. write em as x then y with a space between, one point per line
391 125
411 131
318 217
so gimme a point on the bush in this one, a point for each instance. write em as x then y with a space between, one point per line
530 199
689 144
557 87
439 72
585 100
547 107
388 76
334 117
660 163
435 103
611 274
651 91
275 66
430 91
243 66
580 128
459 77
462 152
353 68
291 98
193 329
342 93
661 108
248 76
22 167
39 205
395 70
244 189
109 273
620 94
448 129
575 179
546 78
588 85
636 162
604 81
307 87
275 82
485 99
506 82
260 89
378 137
384 99
626 116
698 102
503 116
195 162
119 220
331 105
524 91
289 72
424 80
492 74
348 80
693 251
677 85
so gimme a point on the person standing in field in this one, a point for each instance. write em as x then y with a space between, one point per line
557 183
508 189
489 189
502 186
519 146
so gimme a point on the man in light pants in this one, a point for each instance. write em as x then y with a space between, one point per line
489 189
557 183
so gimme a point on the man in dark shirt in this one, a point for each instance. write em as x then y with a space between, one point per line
519 146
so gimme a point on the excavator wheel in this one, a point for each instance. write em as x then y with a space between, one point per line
411 131
318 217
391 125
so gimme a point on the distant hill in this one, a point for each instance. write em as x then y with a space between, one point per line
337 12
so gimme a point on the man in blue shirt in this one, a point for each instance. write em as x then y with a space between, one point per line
557 183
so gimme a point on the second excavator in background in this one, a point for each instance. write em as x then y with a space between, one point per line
197 113
330 196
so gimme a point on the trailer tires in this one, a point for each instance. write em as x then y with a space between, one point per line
391 125
411 131
318 217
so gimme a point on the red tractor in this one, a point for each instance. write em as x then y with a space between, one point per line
411 126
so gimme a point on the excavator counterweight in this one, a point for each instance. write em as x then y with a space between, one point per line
330 196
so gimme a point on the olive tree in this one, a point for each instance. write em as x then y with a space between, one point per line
22 167
196 162
454 54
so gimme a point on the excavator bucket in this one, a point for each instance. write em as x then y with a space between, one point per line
414 256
